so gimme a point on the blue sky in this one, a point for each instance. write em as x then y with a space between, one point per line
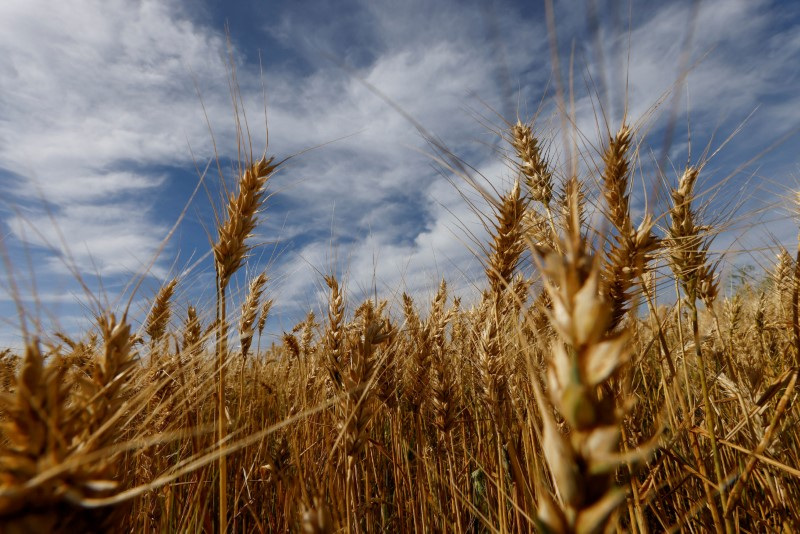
102 133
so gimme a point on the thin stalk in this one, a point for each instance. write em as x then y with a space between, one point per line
736 492
727 349
635 508
348 492
222 350
796 307
501 493
453 486
710 415
711 502
661 338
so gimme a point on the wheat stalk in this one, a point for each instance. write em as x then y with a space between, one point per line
689 261
230 251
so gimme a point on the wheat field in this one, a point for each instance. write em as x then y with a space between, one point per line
573 392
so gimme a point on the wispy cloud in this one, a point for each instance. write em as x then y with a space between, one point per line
429 62
92 94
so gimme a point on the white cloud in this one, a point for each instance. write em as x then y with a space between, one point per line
92 93
102 238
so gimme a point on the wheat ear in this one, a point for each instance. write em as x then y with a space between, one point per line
158 318
631 247
507 243
334 332
249 310
533 166
192 333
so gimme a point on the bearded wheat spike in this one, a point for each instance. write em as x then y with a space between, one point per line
631 248
249 310
783 279
533 166
427 337
231 249
307 334
334 332
572 203
442 384
263 316
492 373
292 345
616 180
538 231
158 318
192 332
688 249
33 416
110 370
507 244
